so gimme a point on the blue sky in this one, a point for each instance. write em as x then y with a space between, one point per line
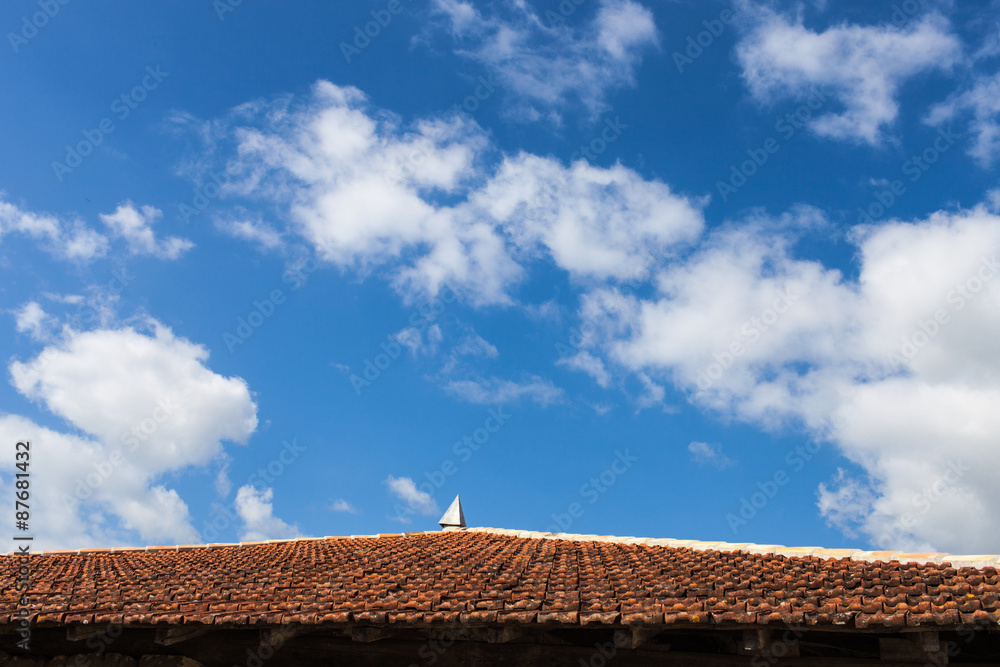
693 270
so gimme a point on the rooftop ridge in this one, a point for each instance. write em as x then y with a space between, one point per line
976 561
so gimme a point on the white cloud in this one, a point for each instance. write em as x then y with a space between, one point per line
90 379
491 391
34 321
862 67
79 242
992 202
66 462
711 454
589 364
653 393
135 226
341 505
362 192
223 485
846 503
469 350
254 231
415 341
474 345
70 240
900 368
593 222
72 299
406 490
543 63
367 193
145 405
73 240
259 523
624 27
982 100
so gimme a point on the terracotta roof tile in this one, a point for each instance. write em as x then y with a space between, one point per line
489 576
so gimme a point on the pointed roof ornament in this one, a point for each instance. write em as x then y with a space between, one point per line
453 517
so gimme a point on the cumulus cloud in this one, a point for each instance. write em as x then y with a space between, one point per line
898 367
135 226
406 490
705 453
66 239
90 380
544 64
862 67
593 222
422 203
735 319
143 405
363 192
257 514
982 102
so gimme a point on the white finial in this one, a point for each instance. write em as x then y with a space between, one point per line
454 517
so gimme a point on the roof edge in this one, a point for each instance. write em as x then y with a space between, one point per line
975 561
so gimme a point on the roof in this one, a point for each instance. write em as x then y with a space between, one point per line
490 576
